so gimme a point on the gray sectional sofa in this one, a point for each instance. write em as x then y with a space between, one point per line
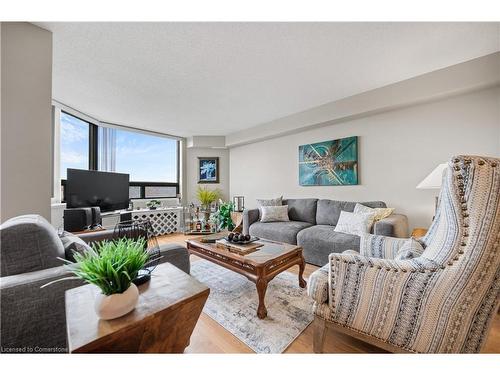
312 223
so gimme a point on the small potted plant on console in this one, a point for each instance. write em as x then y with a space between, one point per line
153 204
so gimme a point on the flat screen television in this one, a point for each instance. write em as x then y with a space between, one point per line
108 190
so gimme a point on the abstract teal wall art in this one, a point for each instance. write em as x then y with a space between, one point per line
329 163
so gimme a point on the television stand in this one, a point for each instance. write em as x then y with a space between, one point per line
164 220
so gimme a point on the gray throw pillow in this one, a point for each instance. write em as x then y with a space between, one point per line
274 213
270 202
72 244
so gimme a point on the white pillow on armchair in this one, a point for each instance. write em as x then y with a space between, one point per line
352 223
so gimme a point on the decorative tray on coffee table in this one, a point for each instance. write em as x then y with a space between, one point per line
245 242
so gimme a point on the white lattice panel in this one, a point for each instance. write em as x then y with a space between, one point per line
164 221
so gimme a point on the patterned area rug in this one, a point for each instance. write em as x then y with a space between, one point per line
233 304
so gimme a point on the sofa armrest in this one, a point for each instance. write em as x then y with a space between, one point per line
250 216
175 254
33 317
317 287
395 225
96 236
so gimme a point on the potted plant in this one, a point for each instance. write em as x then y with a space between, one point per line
207 197
111 266
153 204
224 216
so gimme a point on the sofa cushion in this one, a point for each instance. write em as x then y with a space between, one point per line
319 241
302 209
285 231
328 211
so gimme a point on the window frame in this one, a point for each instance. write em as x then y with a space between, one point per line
93 162
92 154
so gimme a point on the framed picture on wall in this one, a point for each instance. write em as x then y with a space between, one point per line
329 163
208 170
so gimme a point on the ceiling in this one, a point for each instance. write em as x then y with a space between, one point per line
217 78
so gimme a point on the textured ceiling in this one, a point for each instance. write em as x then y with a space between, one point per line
218 78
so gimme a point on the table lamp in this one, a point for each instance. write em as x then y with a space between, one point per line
434 180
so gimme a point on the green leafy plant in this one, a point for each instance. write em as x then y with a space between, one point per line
110 265
154 203
224 216
207 196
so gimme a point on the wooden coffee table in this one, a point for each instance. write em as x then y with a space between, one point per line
260 266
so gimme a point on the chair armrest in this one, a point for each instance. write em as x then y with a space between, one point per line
33 317
317 287
395 225
366 294
250 216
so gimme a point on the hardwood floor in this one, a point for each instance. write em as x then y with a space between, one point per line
210 337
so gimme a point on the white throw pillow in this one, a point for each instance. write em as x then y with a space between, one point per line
379 213
352 223
268 202
274 213
410 249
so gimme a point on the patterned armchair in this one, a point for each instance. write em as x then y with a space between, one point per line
440 302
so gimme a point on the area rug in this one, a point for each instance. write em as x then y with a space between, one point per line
233 304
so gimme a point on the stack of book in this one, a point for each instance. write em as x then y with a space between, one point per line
238 248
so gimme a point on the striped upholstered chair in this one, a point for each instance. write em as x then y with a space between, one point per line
442 301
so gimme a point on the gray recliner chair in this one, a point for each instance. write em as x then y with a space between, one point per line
34 319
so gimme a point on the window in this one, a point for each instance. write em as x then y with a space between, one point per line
152 161
145 157
74 144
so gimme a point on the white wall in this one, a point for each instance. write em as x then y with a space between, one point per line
191 166
397 149
468 76
26 131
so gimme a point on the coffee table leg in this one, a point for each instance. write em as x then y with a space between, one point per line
261 291
302 266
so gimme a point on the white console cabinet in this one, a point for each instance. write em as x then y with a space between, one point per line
163 220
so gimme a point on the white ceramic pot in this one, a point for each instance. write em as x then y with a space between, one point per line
116 305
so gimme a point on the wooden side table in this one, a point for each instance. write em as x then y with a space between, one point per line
169 307
418 232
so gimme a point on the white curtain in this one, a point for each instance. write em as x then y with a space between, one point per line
107 149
